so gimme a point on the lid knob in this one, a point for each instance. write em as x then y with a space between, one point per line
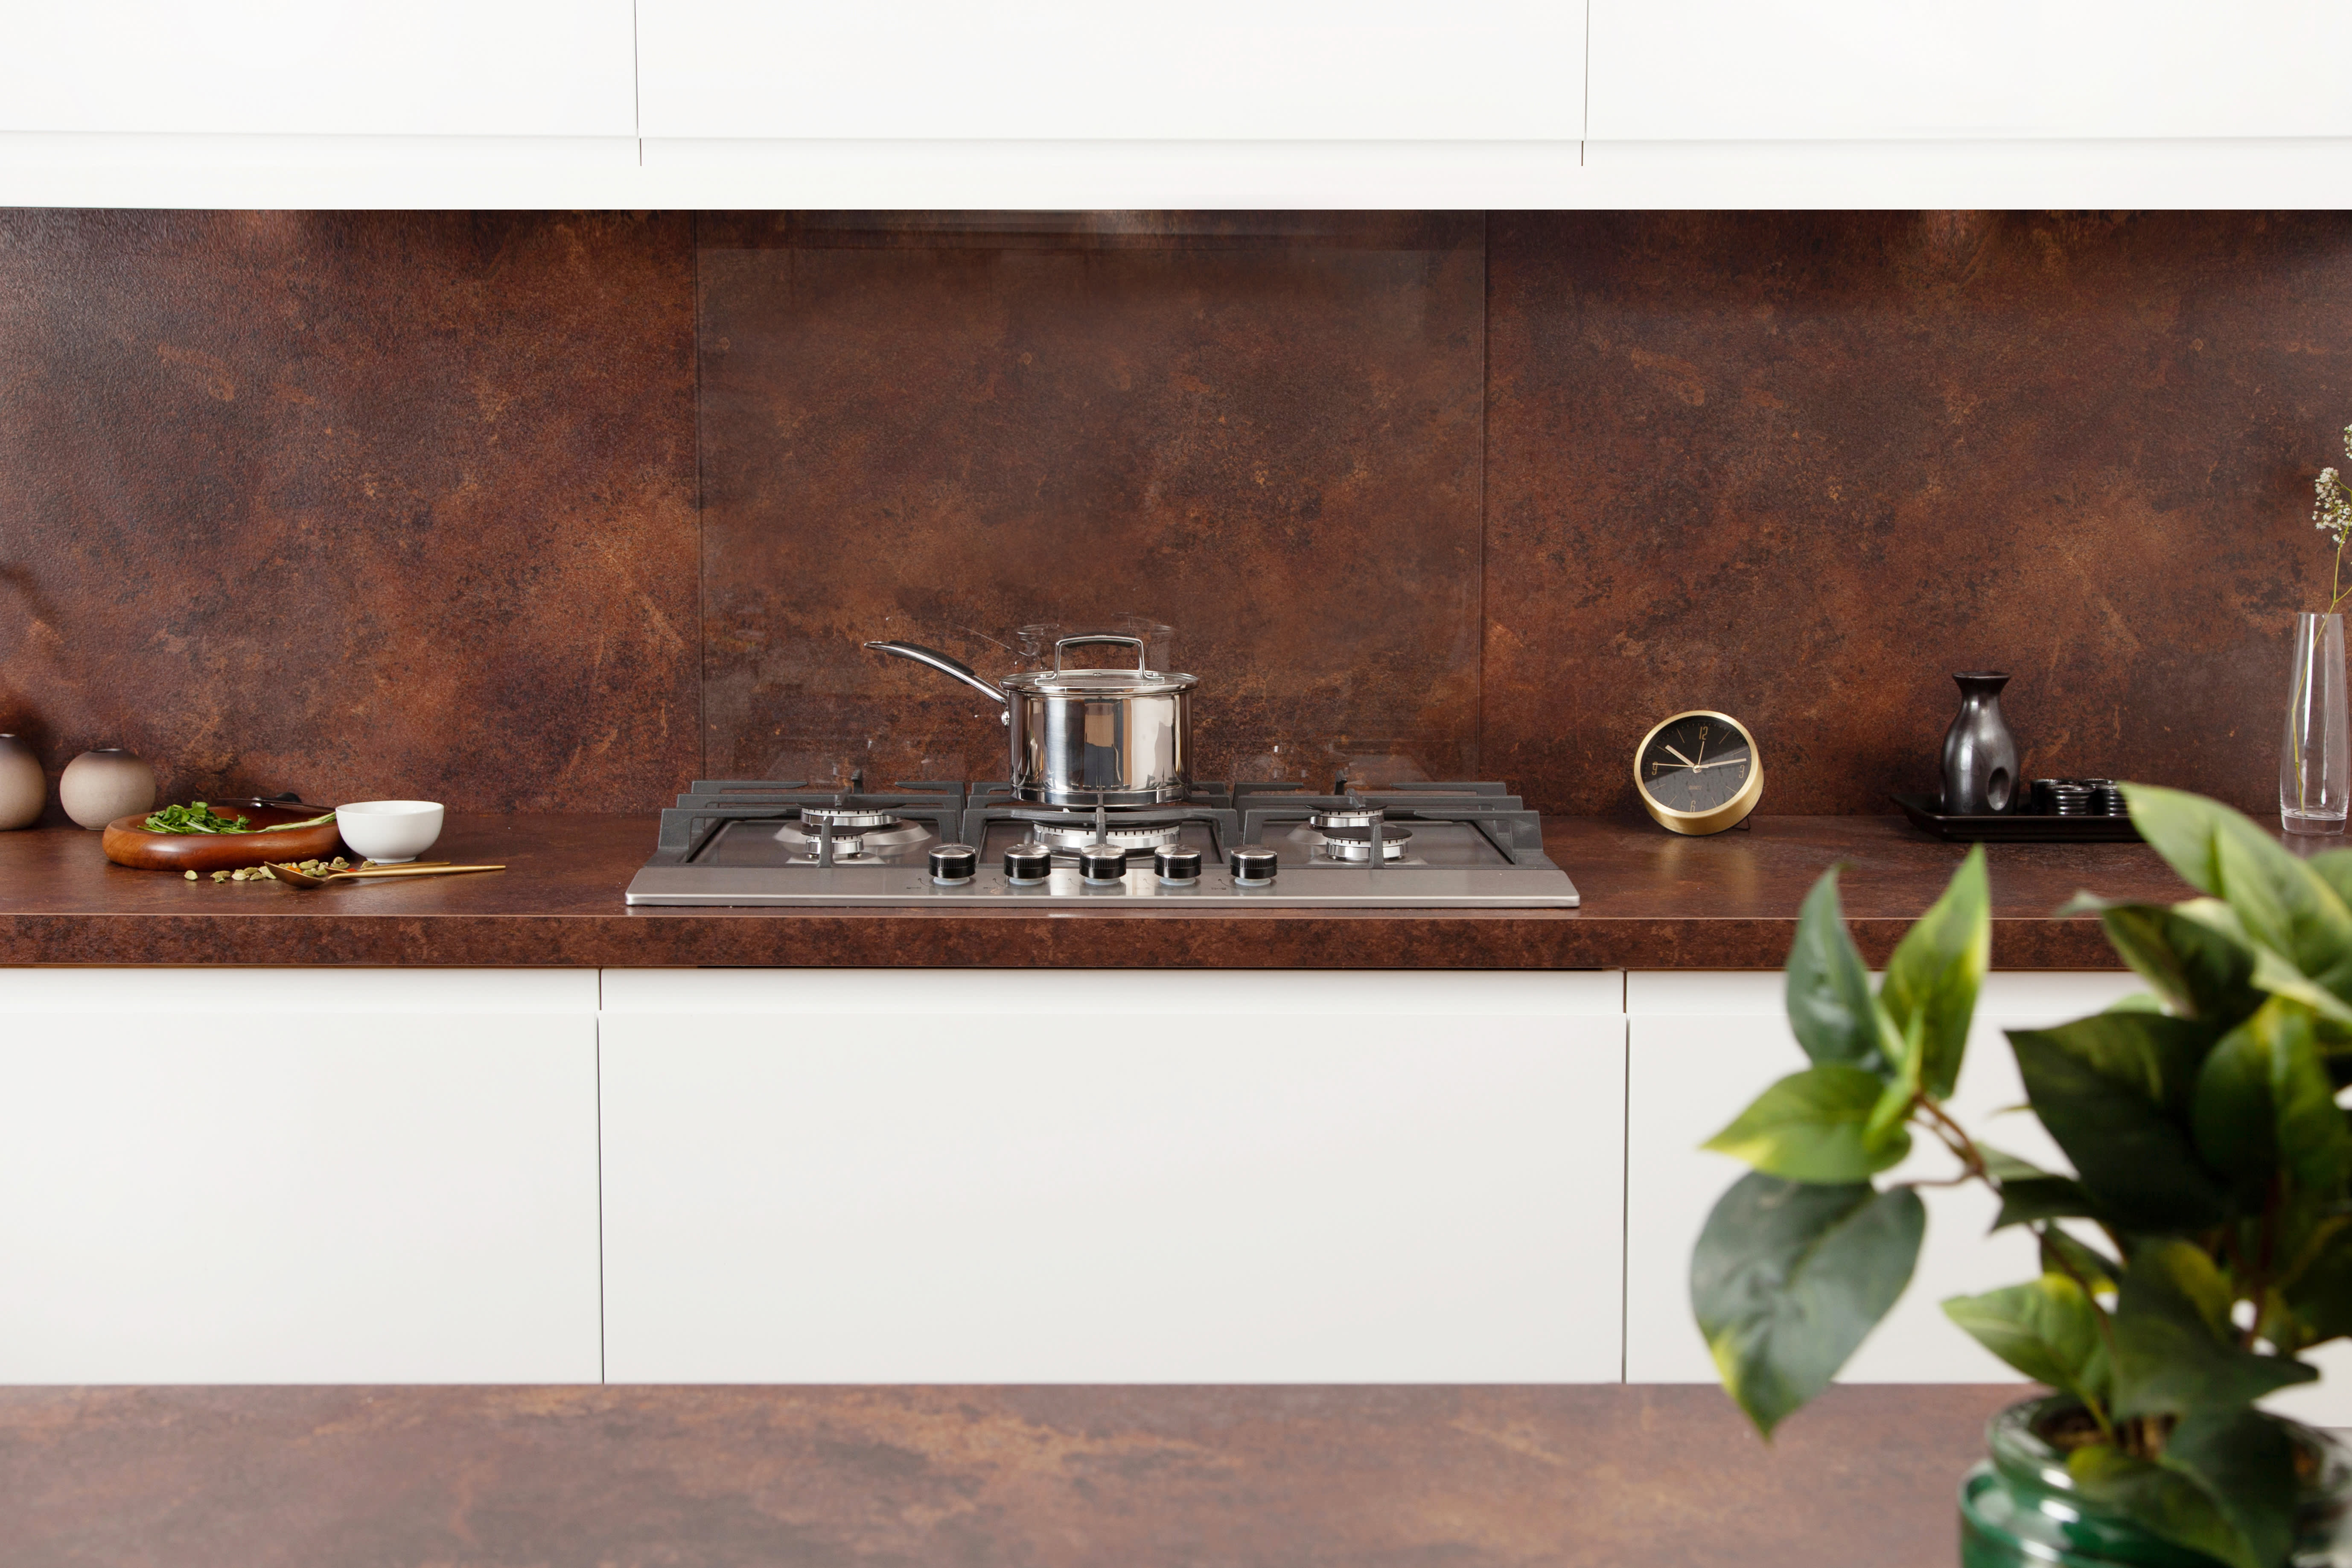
1027 863
1102 864
1176 865
1252 865
955 863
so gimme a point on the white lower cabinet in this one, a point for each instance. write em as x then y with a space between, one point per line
878 1177
289 1175
1703 1045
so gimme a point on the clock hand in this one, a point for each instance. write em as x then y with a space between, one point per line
1680 758
1723 762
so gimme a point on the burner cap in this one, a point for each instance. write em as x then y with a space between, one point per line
1345 816
841 817
1358 845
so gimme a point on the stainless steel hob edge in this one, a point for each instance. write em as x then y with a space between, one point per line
711 887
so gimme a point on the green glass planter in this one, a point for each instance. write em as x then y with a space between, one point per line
2018 1509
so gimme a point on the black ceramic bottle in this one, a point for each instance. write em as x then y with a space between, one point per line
1979 753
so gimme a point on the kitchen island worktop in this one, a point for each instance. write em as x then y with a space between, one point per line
1651 902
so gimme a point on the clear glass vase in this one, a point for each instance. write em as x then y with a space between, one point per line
2316 758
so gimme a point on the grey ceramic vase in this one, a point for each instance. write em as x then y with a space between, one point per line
23 788
99 786
1979 753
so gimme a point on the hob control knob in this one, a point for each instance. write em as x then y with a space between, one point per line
955 863
1025 863
1102 864
1178 865
1251 864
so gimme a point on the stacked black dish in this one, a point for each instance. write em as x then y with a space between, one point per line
2077 797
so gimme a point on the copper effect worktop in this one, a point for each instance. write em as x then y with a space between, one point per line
1567 1477
1651 902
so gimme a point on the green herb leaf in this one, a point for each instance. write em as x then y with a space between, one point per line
2113 1090
2174 1354
2264 1103
2245 1460
2048 1330
1814 1126
2063 1253
2037 1198
2165 1502
1829 1008
193 817
2283 903
1937 970
2199 972
1789 1277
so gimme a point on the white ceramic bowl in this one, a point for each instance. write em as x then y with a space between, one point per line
390 831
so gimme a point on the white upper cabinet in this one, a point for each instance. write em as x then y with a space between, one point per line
1054 69
351 68
1993 69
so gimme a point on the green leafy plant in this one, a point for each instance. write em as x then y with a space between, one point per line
198 817
2203 1239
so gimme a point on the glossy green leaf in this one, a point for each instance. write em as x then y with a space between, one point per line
2175 1351
1830 1005
2137 1002
2077 1259
2282 902
2320 1294
2264 1103
2164 1503
2036 1198
1936 969
2113 1090
2194 969
2335 868
2048 1330
1814 1126
1787 1278
1894 1101
2245 1460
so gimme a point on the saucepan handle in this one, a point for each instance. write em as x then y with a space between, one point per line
1142 654
945 664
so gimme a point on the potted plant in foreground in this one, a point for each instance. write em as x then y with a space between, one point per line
2202 1242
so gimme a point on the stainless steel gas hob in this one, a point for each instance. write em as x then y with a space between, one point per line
1417 846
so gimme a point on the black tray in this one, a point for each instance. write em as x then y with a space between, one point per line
1926 812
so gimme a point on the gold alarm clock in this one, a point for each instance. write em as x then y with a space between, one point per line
1698 772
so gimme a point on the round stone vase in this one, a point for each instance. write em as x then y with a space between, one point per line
23 788
2019 1508
1979 753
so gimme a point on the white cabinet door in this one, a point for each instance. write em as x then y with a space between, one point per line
329 1184
1665 71
355 68
1702 1046
1058 69
1007 1179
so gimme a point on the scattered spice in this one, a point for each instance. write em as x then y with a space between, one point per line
316 867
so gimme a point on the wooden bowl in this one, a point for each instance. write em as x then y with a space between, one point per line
126 843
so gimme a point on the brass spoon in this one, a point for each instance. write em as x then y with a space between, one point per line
301 878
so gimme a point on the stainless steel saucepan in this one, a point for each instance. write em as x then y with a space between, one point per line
1088 737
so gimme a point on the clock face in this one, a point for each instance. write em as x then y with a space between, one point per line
1696 763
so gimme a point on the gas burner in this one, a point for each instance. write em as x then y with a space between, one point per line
1073 835
853 817
1349 815
1354 846
878 839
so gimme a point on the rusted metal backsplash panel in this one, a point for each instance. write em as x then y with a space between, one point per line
1802 466
1269 442
355 504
